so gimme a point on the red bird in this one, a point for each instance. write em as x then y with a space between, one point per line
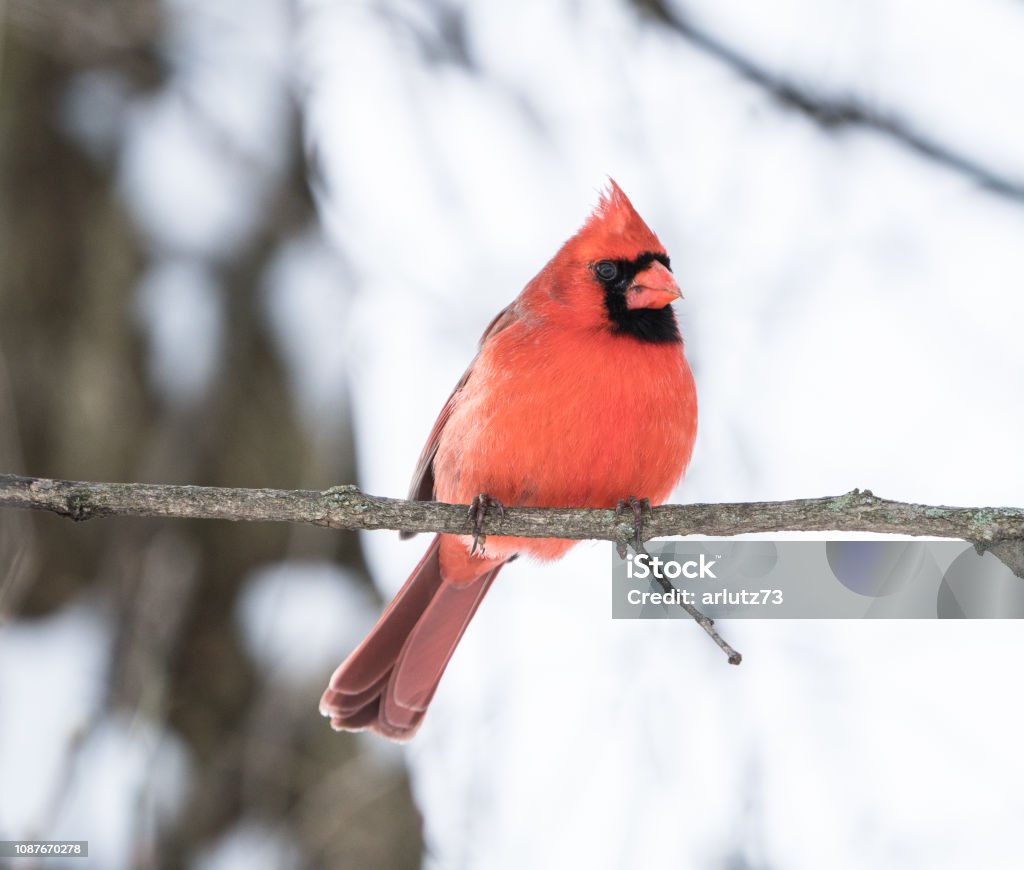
579 396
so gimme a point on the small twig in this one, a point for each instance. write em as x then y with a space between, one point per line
705 622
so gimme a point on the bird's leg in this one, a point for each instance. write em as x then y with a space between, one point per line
638 506
478 509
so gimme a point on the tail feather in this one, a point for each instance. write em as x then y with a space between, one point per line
386 685
374 657
429 648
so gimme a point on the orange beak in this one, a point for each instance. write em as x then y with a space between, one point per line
654 287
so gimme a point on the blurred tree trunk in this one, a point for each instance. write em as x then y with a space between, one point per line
74 401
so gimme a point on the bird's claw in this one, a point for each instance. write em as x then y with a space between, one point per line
478 509
637 506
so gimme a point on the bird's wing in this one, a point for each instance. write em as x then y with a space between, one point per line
422 488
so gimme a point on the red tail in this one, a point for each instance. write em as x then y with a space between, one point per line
387 683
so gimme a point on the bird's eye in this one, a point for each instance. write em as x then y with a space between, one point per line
606 270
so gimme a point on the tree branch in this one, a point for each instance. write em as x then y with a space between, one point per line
1000 530
346 507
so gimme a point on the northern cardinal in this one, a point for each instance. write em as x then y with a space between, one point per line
579 396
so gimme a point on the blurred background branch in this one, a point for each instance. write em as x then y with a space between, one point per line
832 113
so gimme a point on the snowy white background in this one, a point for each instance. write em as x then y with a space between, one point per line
853 317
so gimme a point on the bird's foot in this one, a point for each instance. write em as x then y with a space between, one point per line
638 506
478 510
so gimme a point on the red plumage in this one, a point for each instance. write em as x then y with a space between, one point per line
580 396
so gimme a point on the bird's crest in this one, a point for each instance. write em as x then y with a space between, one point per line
614 229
